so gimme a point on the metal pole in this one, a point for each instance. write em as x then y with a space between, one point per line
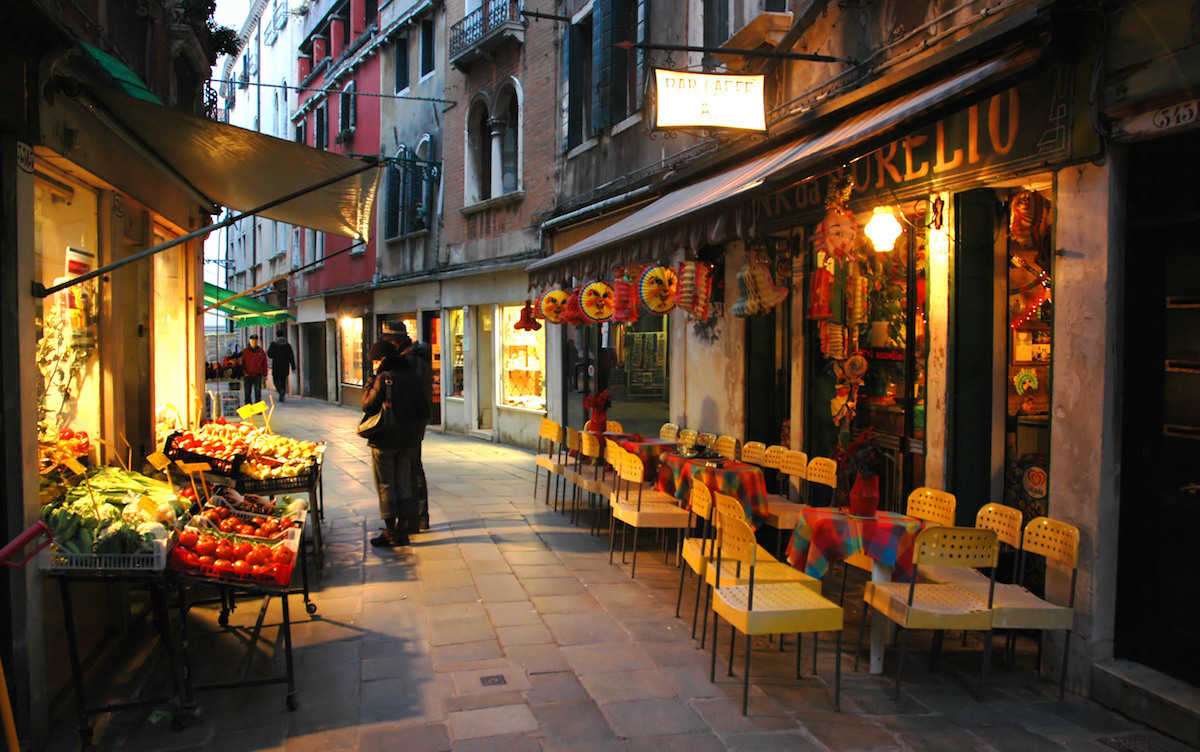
41 291
742 53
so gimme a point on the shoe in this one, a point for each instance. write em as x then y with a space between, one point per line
414 526
384 540
401 539
424 523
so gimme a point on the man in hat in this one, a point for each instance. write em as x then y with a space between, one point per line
283 360
254 369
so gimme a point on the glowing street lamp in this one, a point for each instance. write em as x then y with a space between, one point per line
883 229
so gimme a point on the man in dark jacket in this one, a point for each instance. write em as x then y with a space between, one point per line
283 360
404 381
254 370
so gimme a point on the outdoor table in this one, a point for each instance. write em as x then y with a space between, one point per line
826 535
741 480
649 451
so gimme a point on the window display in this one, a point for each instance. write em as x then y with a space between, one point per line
352 351
456 353
523 363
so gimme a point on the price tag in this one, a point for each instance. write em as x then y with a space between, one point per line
245 411
193 467
159 461
74 466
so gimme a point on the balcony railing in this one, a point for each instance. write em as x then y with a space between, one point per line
493 21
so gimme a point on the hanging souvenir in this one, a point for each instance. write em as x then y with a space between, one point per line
1029 220
657 289
527 321
574 311
695 288
757 292
856 297
625 299
596 300
833 240
553 305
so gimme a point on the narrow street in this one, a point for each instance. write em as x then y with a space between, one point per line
505 628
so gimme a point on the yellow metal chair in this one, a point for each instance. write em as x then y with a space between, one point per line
592 477
686 437
613 426
1006 521
783 514
756 607
938 607
773 456
706 439
1017 608
669 431
571 460
821 471
752 452
552 459
769 568
727 447
651 508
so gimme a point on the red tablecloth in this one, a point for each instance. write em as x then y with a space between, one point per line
648 451
740 480
826 535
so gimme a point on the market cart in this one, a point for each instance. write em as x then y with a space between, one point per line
309 483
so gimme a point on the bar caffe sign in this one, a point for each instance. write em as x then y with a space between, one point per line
709 100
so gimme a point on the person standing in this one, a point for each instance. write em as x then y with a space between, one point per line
283 360
254 369
404 382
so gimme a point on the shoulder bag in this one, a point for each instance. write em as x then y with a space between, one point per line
384 421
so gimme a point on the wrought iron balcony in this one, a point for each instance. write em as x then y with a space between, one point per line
484 29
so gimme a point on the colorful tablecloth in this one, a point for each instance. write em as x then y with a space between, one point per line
742 481
648 451
826 535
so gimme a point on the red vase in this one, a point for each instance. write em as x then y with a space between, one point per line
598 423
864 496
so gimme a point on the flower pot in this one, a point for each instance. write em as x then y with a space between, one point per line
864 496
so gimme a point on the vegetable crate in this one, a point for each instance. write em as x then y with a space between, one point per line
154 560
301 482
280 574
224 467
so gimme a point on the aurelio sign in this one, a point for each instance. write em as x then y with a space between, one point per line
707 100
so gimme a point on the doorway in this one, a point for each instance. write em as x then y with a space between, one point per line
312 354
485 368
1160 482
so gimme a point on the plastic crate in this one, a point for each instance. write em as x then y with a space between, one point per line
224 467
203 527
280 574
54 558
301 482
244 515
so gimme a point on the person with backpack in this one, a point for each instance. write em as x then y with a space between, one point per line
404 381
283 360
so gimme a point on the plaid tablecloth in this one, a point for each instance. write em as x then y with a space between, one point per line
648 451
826 535
740 480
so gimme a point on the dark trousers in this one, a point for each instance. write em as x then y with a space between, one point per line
396 479
422 490
281 382
252 385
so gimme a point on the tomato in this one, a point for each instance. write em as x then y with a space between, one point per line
257 520
247 530
229 524
181 559
224 551
286 523
222 512
282 555
241 567
222 567
206 546
221 420
188 539
259 569
268 529
241 549
66 434
206 561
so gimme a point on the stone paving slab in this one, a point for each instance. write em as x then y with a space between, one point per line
504 627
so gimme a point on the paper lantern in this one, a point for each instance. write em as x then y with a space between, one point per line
574 312
527 322
596 300
695 288
553 305
757 292
883 229
657 289
625 299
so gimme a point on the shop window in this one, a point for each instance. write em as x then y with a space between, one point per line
578 84
456 352
428 47
510 139
631 361
402 72
523 363
352 351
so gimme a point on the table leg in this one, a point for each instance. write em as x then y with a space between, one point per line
85 729
292 703
162 618
880 572
184 644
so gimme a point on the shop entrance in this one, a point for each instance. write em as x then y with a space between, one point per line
1160 478
768 376
315 383
431 332
485 370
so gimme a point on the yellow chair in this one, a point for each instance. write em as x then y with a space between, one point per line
651 508
669 431
592 477
938 607
752 452
766 608
706 439
571 459
552 459
613 426
783 514
769 568
686 437
727 447
821 471
1015 607
1006 521
773 456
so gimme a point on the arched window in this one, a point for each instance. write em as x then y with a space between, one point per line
425 194
394 198
508 111
478 164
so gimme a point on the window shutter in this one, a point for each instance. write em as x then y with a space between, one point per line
392 212
564 107
603 27
642 36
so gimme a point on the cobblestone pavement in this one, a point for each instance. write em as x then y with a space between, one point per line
505 628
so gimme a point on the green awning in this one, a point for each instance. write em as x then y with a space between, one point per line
121 74
245 311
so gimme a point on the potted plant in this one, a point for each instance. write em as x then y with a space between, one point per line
598 404
864 461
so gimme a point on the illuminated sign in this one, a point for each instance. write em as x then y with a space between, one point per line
709 100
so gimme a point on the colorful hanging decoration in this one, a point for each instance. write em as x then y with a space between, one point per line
695 288
844 404
833 240
657 289
553 305
527 322
1025 381
856 297
596 300
757 292
1033 308
1029 220
574 314
625 298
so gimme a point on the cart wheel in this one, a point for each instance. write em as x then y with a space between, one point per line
310 607
292 702
223 619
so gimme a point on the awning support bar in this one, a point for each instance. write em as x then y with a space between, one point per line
278 277
41 291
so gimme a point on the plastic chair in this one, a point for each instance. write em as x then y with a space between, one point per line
1006 521
686 437
773 456
932 506
651 509
762 608
752 452
727 447
613 426
783 514
669 431
938 607
551 459
592 477
1017 608
821 471
769 568
571 459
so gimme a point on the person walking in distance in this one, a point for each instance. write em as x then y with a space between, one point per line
283 360
403 381
254 369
